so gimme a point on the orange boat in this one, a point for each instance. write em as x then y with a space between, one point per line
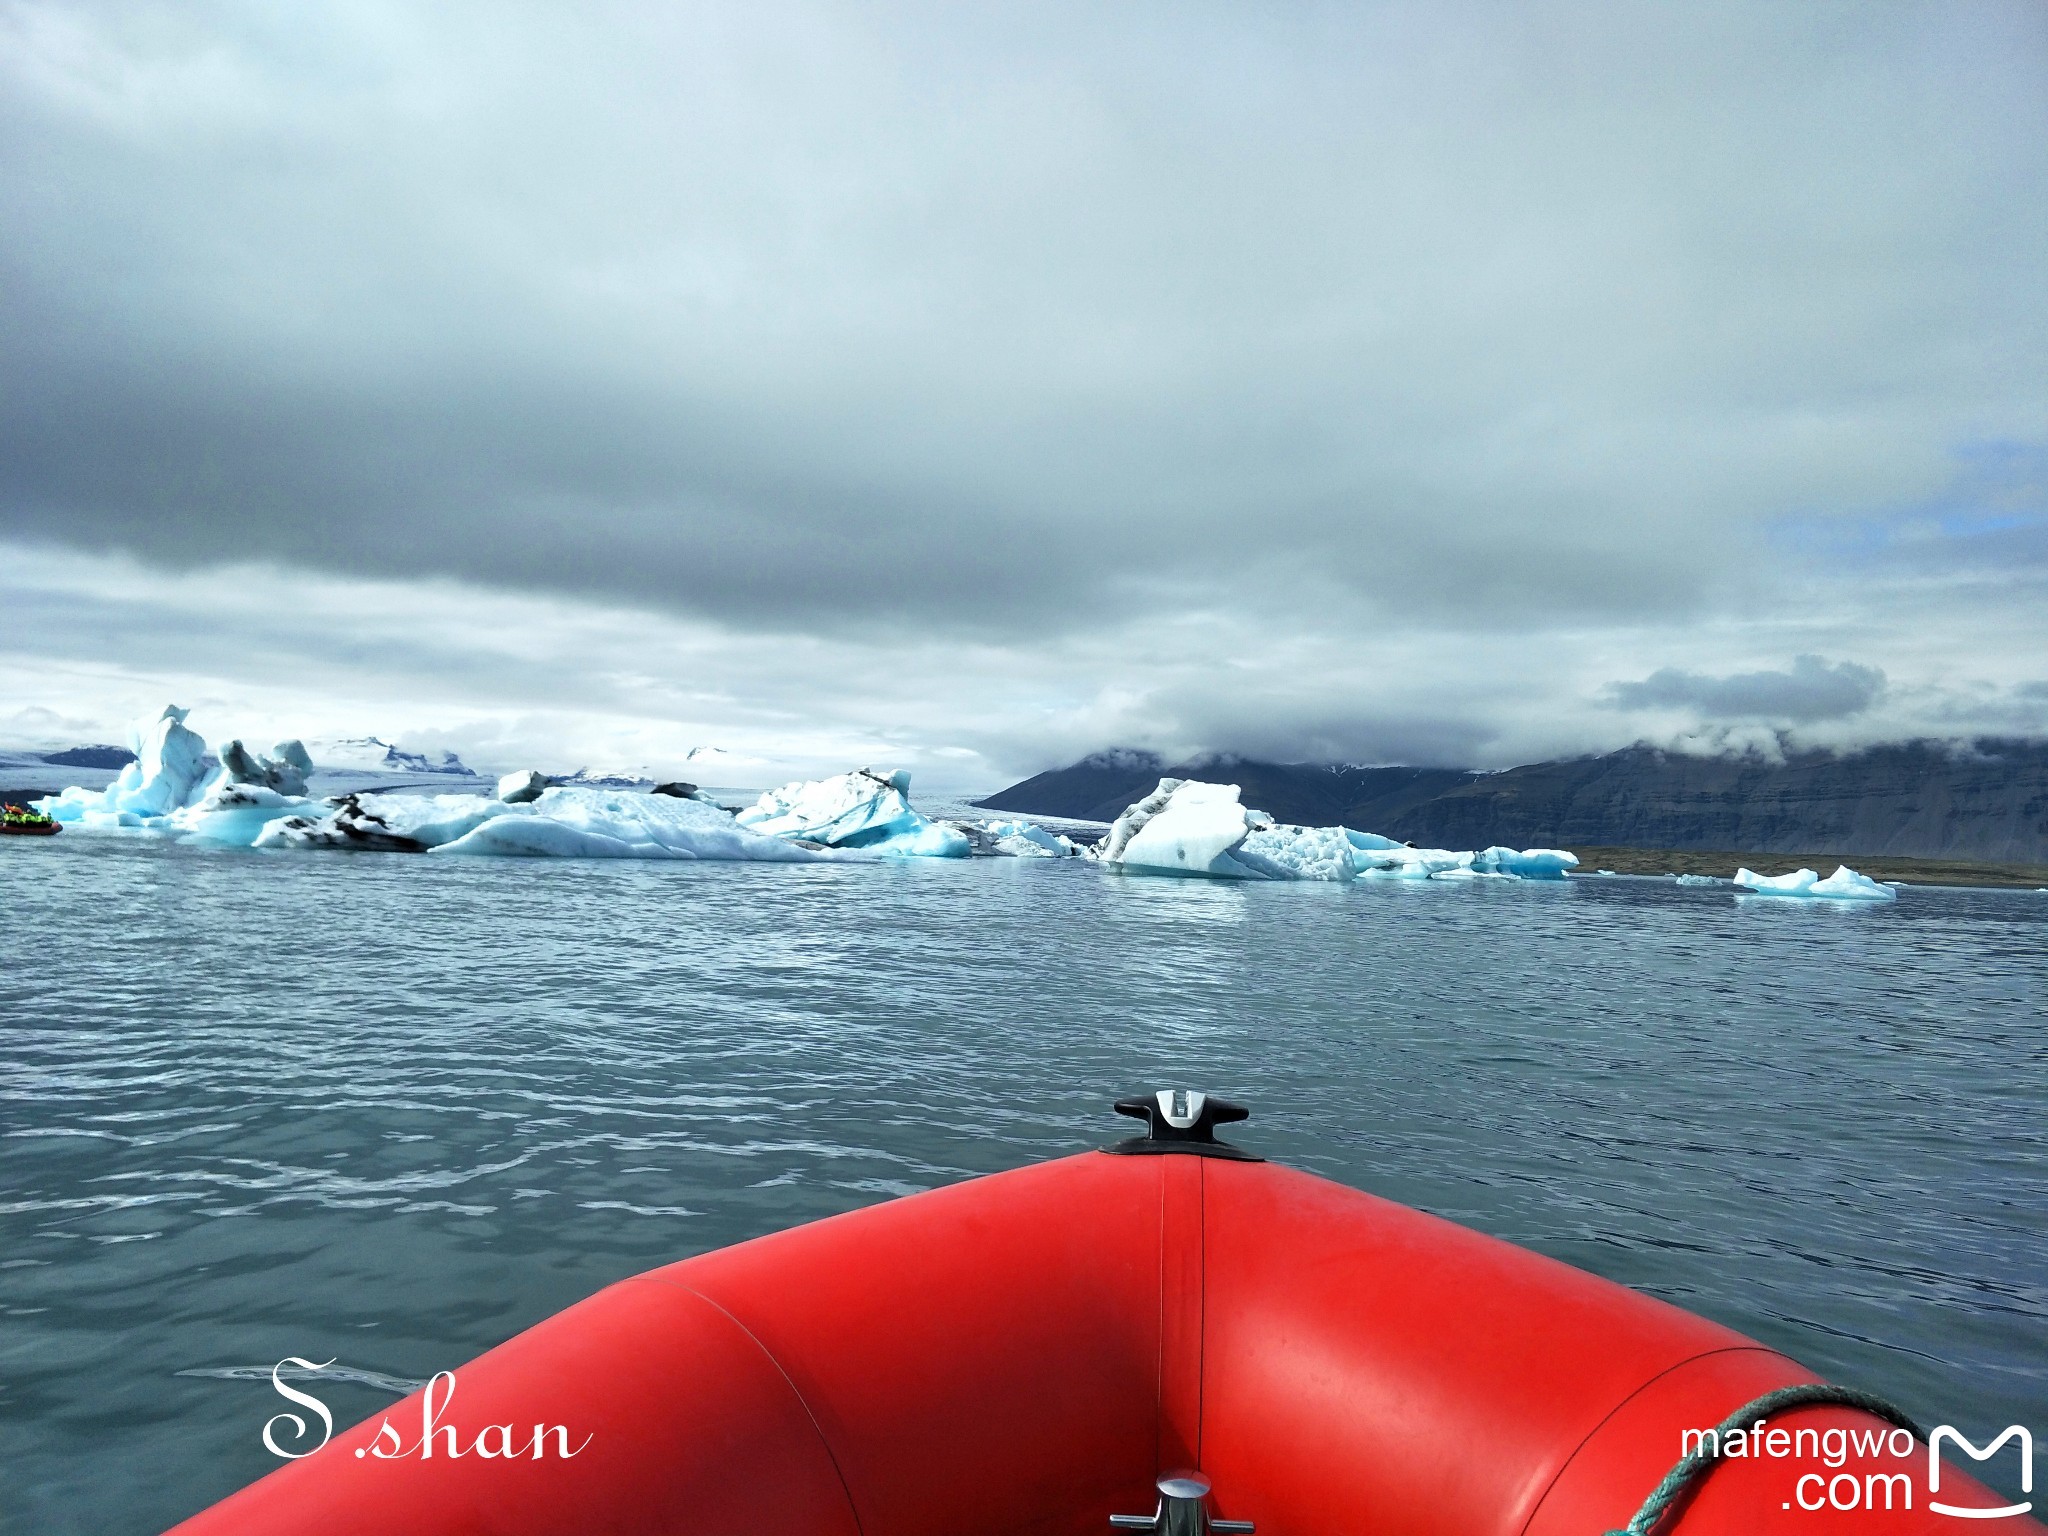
19 821
1169 1335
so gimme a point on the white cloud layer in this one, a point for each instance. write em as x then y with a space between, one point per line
507 679
977 386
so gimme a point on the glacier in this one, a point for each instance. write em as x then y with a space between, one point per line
1843 885
862 810
1191 827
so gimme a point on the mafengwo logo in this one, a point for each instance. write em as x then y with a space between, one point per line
1945 1432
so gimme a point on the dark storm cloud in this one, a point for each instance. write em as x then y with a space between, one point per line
1011 320
1813 689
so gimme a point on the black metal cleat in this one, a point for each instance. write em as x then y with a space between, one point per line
1182 1120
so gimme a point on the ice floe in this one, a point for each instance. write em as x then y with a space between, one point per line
862 810
619 824
518 788
1698 880
558 823
1843 885
1189 827
1027 840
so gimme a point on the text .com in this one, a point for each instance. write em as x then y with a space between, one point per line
1825 1487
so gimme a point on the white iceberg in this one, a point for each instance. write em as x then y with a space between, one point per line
285 770
172 790
1843 885
1300 853
1404 863
169 773
618 824
1187 827
570 823
348 826
526 784
862 810
234 815
1697 879
1027 840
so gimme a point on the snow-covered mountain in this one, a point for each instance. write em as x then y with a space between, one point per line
370 754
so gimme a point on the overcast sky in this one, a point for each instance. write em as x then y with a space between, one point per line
972 387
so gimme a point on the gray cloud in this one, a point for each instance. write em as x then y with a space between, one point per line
1813 689
1009 321
977 387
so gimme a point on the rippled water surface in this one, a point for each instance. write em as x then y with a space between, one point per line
392 1110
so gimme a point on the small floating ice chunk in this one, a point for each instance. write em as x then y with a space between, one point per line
862 810
1843 885
1404 863
1027 840
521 787
1528 863
1696 879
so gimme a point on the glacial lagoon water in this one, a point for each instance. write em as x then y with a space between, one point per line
391 1110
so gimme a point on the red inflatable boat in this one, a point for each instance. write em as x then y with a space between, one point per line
1178 1339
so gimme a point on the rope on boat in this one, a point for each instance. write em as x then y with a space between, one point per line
1707 1454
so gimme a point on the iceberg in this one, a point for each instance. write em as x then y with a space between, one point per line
578 823
565 823
350 826
168 774
1187 827
1301 853
174 790
234 815
1697 879
285 770
1843 885
862 810
526 784
1027 840
1527 863
1404 863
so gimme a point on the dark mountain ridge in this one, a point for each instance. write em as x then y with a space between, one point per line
1914 799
